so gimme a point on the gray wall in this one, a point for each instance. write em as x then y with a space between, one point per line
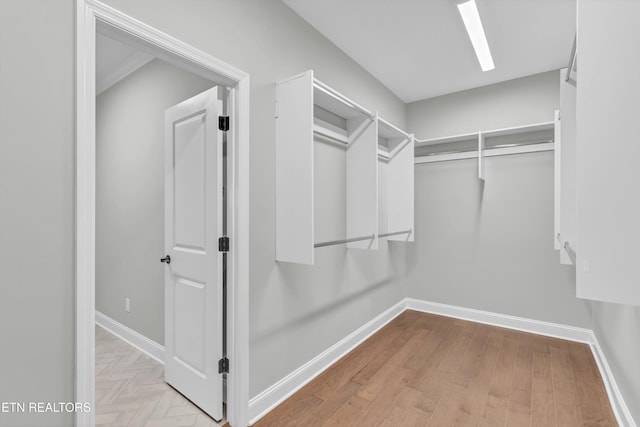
130 193
296 312
618 330
37 207
607 154
517 102
489 246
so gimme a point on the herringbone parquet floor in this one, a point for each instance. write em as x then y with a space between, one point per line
130 390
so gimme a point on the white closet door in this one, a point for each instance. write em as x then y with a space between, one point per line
193 277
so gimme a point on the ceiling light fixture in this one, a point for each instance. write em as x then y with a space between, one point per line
471 19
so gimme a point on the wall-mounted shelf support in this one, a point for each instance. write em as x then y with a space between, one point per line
481 155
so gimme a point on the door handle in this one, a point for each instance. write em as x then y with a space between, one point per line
166 259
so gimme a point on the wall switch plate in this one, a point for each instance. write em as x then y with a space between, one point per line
127 305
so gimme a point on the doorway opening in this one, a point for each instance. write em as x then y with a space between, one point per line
93 17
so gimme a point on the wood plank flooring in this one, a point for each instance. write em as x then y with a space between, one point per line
130 390
428 370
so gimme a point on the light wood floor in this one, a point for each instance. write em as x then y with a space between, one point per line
130 390
427 370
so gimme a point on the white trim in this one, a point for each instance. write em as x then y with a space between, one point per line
446 157
89 15
266 401
570 333
446 139
514 130
127 67
488 152
488 133
84 380
618 405
131 337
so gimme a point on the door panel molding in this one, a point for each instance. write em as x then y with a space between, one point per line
193 218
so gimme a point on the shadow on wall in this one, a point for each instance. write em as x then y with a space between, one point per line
321 311
352 280
481 183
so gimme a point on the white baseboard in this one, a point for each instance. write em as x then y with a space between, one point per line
264 402
555 330
569 333
139 341
619 407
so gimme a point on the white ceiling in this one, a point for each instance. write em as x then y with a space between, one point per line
420 49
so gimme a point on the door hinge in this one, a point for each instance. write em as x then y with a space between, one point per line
223 244
223 123
223 366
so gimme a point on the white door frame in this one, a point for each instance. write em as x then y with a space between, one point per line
92 15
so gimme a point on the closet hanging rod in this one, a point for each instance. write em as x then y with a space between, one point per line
395 233
338 242
572 254
333 136
572 61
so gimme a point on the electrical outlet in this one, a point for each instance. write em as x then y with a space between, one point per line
127 305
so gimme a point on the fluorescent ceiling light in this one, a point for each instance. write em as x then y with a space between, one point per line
471 18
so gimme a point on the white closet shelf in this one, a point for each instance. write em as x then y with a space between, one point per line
517 130
391 139
488 152
396 152
480 138
447 139
336 103
309 112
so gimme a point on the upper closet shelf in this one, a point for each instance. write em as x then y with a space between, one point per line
391 139
309 112
516 130
447 139
519 130
334 102
487 143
